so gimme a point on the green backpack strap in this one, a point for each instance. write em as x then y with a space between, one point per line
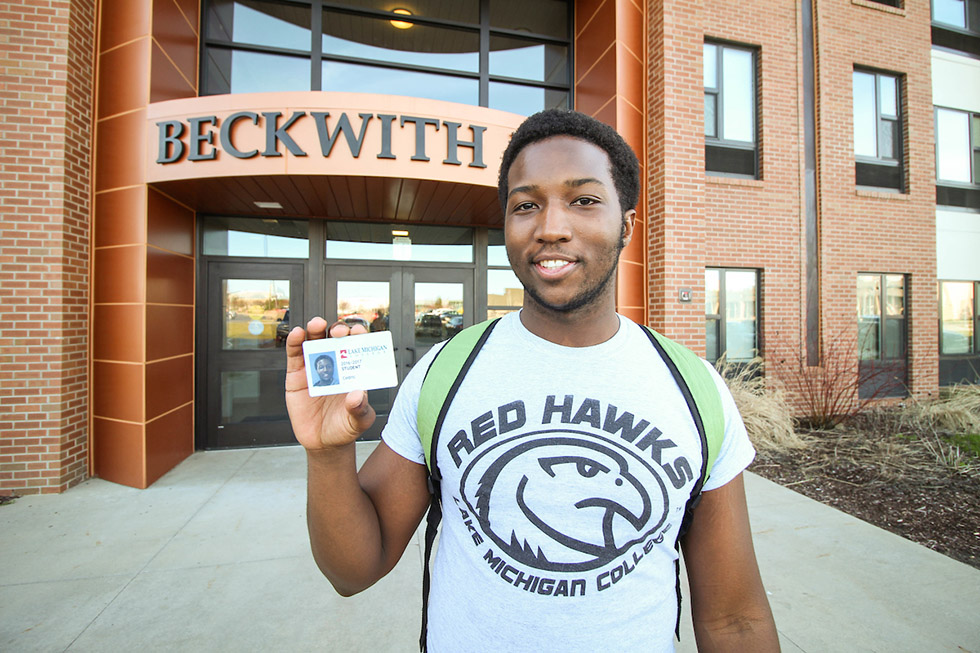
698 387
442 380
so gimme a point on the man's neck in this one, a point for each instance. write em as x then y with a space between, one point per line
584 327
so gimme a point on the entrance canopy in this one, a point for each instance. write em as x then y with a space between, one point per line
330 155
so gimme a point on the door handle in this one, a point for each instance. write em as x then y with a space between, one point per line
411 349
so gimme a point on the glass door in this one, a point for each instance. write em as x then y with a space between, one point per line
251 308
419 306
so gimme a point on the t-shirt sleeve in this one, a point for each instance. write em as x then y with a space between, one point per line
401 433
736 449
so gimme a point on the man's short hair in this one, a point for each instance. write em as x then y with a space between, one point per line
623 166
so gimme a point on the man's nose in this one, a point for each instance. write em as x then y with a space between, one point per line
554 224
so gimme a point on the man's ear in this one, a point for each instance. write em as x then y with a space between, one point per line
629 221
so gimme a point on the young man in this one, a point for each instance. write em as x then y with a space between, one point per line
567 455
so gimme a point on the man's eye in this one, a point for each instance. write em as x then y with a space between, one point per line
524 206
586 201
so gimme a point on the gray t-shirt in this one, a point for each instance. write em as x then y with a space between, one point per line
565 475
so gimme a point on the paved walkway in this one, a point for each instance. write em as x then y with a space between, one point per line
215 557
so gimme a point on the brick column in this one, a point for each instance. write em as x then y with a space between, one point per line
675 165
44 244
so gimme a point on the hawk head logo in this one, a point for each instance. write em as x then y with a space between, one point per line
565 503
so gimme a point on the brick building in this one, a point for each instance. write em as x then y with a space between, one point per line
184 179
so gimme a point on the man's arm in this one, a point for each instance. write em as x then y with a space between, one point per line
728 602
359 522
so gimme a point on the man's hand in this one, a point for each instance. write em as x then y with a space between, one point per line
329 421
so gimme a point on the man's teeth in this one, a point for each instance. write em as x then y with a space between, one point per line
553 264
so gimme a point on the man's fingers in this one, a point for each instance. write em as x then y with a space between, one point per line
339 329
316 328
357 330
294 349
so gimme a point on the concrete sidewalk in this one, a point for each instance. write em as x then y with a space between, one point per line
215 557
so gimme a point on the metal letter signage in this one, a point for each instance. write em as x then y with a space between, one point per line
195 138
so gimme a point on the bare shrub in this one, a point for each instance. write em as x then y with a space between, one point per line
829 394
763 405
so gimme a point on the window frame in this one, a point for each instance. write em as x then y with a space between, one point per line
721 317
883 317
718 141
975 345
959 194
316 55
862 161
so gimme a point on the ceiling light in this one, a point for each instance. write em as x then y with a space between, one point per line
398 232
268 205
401 24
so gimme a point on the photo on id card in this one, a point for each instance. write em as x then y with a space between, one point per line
340 365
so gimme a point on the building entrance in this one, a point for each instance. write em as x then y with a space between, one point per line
420 306
248 318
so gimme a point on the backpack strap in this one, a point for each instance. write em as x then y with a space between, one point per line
704 403
442 380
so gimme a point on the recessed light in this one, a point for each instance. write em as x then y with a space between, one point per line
268 205
398 232
401 24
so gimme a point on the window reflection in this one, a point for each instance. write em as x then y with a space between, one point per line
957 317
539 62
953 145
255 313
421 45
358 78
438 311
384 242
259 23
525 100
260 238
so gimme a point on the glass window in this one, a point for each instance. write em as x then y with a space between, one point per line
958 317
542 17
731 314
386 242
240 71
949 12
420 45
525 100
953 147
254 22
540 62
505 292
431 50
253 309
877 130
254 237
496 249
730 110
881 300
358 78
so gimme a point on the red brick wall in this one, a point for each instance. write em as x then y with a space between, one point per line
44 243
675 185
877 232
760 223
699 220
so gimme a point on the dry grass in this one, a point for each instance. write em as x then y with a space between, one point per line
763 406
944 429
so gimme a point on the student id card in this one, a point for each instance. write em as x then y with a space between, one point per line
363 362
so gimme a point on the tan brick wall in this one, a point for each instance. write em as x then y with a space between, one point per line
46 85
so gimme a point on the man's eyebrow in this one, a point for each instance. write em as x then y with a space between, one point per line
575 183
522 189
571 183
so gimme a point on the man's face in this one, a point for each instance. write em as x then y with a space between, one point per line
563 225
324 368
